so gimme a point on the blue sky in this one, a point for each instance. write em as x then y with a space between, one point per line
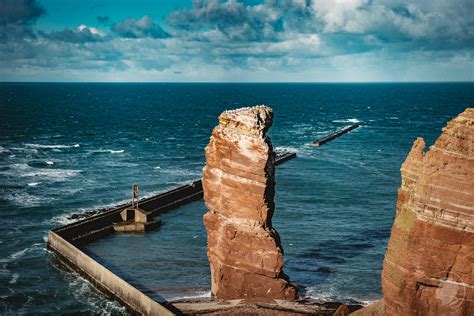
227 41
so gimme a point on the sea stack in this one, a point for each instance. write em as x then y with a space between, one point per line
429 264
244 250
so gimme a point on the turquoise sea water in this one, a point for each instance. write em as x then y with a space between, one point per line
68 148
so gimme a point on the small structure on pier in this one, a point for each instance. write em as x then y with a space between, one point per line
134 219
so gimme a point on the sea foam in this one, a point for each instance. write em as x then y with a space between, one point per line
105 151
24 199
41 146
286 149
350 120
197 294
23 252
52 174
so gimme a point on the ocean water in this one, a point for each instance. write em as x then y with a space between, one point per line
71 148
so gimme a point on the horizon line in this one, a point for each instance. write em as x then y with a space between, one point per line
242 82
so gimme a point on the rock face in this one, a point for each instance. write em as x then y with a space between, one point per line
244 250
429 264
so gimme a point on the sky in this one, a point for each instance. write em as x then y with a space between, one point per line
236 41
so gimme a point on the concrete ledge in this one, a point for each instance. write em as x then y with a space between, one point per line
92 236
104 279
130 226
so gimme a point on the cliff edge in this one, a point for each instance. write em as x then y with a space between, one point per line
429 264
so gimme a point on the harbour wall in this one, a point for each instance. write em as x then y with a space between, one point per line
65 241
104 279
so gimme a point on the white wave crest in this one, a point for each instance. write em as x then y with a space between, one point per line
53 174
331 295
21 253
197 294
15 277
103 151
24 150
3 150
41 146
20 166
114 163
350 120
286 149
25 199
85 292
63 219
34 184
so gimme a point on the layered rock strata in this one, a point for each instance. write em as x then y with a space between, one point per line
244 251
429 264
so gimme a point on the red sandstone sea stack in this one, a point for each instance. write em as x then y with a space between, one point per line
429 264
244 250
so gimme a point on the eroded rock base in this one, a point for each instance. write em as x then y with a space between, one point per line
273 308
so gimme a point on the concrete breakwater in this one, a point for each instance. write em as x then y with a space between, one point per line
65 242
334 135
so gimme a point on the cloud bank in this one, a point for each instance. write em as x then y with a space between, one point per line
144 27
299 40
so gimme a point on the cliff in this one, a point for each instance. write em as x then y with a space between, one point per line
429 264
244 250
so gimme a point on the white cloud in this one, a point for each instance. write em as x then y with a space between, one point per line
144 27
391 19
92 30
335 14
322 40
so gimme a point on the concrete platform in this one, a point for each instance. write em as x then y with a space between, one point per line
135 227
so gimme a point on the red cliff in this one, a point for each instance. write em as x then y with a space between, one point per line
244 251
429 264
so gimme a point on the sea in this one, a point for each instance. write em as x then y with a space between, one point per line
70 148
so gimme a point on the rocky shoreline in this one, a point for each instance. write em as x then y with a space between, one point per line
299 307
